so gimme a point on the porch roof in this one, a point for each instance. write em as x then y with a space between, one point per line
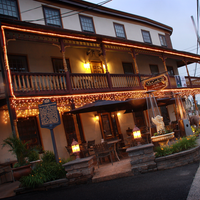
140 47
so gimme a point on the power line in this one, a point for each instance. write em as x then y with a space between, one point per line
78 11
31 9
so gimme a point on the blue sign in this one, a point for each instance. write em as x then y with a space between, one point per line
49 115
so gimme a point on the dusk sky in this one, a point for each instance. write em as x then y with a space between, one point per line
174 13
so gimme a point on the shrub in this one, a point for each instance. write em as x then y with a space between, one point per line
43 172
180 145
48 157
33 155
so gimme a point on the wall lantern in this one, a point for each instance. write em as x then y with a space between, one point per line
75 148
137 134
96 117
118 114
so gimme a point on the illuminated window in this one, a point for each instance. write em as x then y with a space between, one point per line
52 16
119 29
162 40
9 8
86 24
58 65
146 36
18 63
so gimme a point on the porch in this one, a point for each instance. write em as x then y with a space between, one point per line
31 84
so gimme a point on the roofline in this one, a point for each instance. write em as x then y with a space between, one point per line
104 10
96 38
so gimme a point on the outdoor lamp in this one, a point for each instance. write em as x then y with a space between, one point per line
75 148
137 134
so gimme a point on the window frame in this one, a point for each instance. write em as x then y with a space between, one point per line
45 18
172 69
67 61
18 11
122 25
19 55
162 40
144 31
82 28
154 74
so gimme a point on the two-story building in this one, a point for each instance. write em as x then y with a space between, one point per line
74 53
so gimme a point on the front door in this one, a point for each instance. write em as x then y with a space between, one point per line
109 125
96 67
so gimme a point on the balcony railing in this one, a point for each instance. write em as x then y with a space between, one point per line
66 83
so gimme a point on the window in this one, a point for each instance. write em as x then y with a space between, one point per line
9 8
52 16
154 69
128 68
119 29
170 70
87 24
18 63
162 40
58 65
28 131
146 37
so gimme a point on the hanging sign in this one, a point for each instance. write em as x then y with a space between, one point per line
156 83
48 114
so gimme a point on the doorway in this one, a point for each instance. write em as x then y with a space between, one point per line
96 67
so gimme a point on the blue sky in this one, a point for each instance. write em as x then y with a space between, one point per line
174 13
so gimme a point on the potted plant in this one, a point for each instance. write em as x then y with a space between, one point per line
18 148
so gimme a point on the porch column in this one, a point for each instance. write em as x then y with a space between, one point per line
196 107
105 62
62 49
104 55
133 54
163 58
185 61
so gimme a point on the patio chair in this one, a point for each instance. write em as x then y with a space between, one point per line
101 151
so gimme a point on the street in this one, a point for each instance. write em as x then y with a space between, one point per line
172 184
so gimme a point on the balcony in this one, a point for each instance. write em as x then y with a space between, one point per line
32 84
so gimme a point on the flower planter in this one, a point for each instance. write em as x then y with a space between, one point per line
18 172
34 163
162 139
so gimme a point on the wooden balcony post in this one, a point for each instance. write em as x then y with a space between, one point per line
109 80
104 55
163 58
62 49
68 82
133 54
185 61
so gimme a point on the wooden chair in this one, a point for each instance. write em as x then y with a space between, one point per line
101 151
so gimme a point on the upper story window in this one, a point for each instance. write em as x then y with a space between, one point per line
58 66
162 40
119 30
52 16
146 36
128 68
154 69
9 8
18 63
87 24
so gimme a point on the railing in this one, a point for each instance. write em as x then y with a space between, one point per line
88 82
125 81
66 83
38 82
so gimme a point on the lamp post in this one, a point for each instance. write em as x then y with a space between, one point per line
75 148
137 134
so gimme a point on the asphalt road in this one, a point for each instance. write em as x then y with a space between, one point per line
172 184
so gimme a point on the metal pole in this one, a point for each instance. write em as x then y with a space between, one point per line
54 145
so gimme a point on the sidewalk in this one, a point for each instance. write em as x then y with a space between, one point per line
7 189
